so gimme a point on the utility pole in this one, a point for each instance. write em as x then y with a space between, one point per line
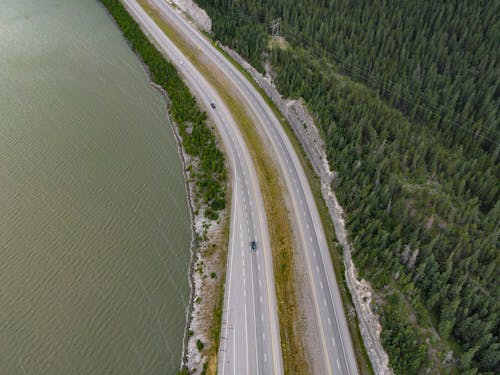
275 27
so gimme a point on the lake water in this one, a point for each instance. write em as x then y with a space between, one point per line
94 223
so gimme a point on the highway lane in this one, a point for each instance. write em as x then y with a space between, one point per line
336 344
250 341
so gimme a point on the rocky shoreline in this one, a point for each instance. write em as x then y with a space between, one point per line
206 270
205 266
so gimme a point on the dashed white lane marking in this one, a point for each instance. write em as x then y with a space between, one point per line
260 283
258 267
314 253
317 268
338 365
260 299
333 341
244 282
321 284
264 337
262 317
265 357
307 225
244 292
242 243
329 322
324 301
310 239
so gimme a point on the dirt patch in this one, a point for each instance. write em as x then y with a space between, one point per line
199 17
207 275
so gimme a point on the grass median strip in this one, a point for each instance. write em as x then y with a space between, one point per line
273 194
336 254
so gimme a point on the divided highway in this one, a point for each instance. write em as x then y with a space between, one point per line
250 341
336 345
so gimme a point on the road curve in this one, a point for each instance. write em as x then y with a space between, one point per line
250 341
336 344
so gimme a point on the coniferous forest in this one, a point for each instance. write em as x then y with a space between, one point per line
406 94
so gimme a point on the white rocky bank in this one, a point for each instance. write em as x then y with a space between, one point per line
309 136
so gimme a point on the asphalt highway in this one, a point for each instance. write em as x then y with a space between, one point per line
250 341
336 345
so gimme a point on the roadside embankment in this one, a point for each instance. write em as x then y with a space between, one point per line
312 143
272 187
206 178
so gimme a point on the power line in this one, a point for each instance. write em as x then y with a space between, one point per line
417 99
386 85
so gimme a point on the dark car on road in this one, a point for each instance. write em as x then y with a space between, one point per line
253 245
212 105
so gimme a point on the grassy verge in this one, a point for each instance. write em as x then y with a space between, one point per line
273 194
336 254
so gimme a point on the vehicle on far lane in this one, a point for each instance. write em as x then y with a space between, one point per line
253 245
212 105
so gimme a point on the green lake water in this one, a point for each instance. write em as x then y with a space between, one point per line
94 222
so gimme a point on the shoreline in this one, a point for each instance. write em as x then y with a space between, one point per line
191 358
194 247
207 234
